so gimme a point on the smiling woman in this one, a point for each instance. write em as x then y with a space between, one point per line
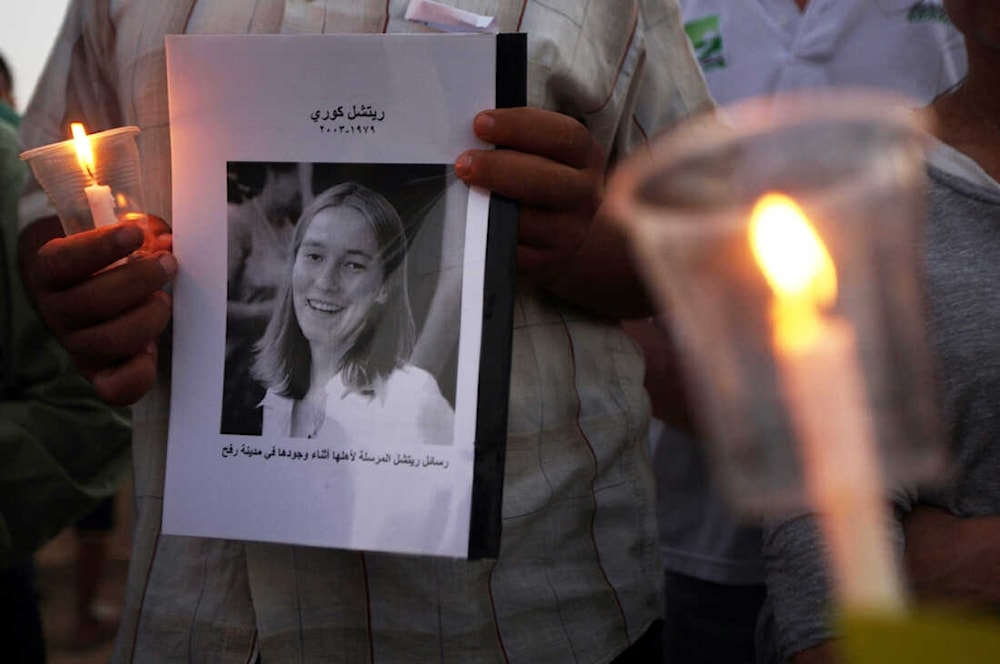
335 355
348 287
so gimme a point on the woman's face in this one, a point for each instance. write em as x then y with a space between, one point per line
337 278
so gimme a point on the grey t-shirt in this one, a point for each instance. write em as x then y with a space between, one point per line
962 252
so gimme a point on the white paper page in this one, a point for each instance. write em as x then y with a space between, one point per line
345 106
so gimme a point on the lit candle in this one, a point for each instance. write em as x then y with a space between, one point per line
816 354
99 198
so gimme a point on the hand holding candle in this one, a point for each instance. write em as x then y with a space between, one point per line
107 320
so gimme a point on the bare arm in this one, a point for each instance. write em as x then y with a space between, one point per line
953 559
664 381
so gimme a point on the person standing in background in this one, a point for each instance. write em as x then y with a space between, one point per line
62 450
20 620
714 576
8 105
762 47
949 532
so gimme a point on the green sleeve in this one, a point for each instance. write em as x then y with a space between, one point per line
62 450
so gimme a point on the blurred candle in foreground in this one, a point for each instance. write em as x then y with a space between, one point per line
817 360
99 197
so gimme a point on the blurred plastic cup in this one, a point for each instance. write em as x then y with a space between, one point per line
108 189
854 162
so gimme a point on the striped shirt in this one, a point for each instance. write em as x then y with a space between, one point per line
577 575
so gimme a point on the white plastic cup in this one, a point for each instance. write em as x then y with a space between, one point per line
854 161
116 166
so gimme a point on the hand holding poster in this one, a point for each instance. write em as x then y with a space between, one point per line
327 375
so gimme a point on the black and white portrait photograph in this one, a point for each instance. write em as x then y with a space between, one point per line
333 271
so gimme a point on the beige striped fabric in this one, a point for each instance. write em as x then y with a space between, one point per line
577 578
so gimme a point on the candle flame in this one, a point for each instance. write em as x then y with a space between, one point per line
84 151
797 266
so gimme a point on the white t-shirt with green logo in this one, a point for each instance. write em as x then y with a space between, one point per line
756 47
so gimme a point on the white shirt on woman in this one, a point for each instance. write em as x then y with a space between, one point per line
406 408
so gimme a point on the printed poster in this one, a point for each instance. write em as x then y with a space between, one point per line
330 361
